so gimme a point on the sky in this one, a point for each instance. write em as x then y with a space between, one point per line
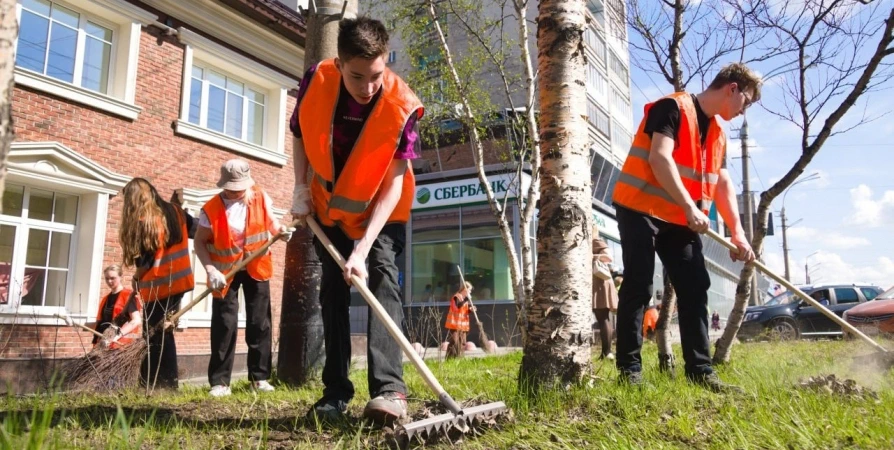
841 224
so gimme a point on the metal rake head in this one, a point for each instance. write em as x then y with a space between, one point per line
445 423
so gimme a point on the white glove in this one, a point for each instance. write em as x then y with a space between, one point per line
301 200
286 232
67 319
216 280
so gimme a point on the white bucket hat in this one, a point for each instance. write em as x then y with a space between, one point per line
235 175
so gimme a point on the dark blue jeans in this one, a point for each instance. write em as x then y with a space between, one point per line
384 360
680 250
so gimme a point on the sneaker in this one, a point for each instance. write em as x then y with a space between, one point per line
220 391
610 356
713 383
262 386
386 408
328 410
631 378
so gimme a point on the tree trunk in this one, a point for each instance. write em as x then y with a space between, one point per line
9 29
301 347
559 327
662 328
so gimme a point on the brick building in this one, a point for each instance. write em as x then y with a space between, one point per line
108 90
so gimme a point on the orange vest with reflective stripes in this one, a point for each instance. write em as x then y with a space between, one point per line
223 250
171 271
346 202
699 168
457 318
120 303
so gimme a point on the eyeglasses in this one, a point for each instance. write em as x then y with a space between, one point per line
748 100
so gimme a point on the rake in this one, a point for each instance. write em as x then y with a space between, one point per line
457 417
826 312
483 339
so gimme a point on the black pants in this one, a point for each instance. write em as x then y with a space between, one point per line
680 250
159 368
225 327
384 361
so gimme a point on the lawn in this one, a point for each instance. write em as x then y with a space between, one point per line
776 412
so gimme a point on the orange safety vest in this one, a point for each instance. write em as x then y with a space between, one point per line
699 168
120 303
171 271
457 318
346 202
223 249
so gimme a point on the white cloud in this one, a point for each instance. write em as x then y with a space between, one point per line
829 239
828 267
868 211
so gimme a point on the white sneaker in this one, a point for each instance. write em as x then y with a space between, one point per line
220 391
262 386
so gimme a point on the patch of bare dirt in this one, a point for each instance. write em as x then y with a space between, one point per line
832 385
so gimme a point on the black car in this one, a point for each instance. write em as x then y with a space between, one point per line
786 316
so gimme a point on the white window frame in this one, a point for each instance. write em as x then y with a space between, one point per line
126 22
210 55
54 167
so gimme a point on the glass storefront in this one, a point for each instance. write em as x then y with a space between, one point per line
467 236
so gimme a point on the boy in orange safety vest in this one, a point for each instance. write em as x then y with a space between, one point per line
457 324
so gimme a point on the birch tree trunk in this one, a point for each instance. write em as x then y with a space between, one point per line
557 351
9 29
662 328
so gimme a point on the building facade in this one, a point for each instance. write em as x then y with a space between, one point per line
109 90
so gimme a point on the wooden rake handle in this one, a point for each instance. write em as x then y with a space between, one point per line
800 293
83 327
229 276
383 316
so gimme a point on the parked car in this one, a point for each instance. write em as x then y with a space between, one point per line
786 316
874 317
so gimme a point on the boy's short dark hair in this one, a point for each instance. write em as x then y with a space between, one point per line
740 74
361 37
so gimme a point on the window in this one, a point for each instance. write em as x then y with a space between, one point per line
467 236
232 101
85 53
869 293
621 138
620 105
35 250
597 117
618 67
224 104
64 44
595 81
846 295
596 43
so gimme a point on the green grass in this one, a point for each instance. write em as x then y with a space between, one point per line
599 413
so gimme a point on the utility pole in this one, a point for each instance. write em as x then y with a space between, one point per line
785 245
301 345
746 202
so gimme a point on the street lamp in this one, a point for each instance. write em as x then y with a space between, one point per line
807 267
811 177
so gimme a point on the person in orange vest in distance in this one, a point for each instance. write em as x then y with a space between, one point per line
120 309
154 237
232 225
458 321
650 321
356 125
674 171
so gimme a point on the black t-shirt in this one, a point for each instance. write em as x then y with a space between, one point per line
664 118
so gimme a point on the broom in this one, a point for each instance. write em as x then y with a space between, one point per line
120 367
483 340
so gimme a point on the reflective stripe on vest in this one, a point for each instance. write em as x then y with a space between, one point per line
457 318
346 202
223 250
699 168
171 271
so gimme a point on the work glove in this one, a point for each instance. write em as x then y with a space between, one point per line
216 280
301 200
286 232
68 320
